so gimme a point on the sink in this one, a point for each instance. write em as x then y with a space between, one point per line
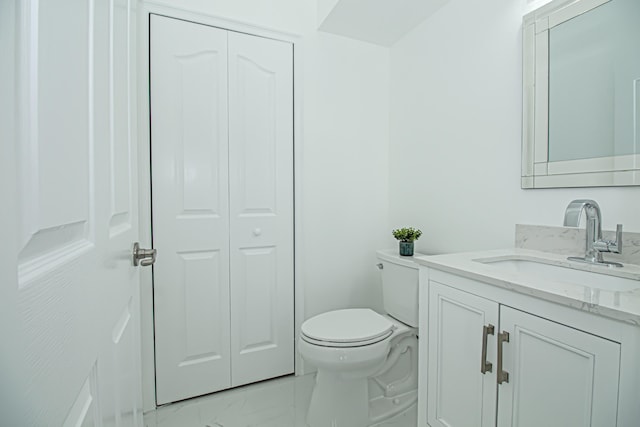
564 274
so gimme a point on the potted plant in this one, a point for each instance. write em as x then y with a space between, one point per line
406 236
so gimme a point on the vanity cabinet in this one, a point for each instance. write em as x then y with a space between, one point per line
490 364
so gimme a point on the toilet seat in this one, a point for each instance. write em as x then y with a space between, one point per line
347 328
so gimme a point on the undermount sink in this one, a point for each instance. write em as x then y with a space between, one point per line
559 273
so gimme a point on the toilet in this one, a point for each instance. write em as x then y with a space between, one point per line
367 361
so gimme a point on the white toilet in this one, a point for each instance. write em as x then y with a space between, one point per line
367 362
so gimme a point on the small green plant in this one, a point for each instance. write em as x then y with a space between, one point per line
407 234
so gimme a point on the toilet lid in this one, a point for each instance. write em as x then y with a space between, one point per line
347 326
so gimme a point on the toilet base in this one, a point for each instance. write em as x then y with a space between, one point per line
395 389
382 408
348 400
350 404
342 400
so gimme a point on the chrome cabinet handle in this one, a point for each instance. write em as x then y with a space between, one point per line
484 365
503 376
143 257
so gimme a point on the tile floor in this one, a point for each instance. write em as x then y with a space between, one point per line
281 402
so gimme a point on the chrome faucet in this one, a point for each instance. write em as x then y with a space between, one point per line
596 245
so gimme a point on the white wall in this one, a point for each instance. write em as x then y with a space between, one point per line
324 8
345 171
345 116
456 132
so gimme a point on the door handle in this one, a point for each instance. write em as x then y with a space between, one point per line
484 365
143 257
503 376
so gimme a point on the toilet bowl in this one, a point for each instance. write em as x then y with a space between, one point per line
355 351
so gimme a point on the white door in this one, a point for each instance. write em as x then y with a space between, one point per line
190 203
69 292
222 207
459 393
261 203
558 376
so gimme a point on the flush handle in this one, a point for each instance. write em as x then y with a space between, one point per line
484 365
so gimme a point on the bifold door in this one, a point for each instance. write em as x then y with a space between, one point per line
222 194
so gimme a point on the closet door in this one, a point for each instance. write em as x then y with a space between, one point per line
261 207
190 208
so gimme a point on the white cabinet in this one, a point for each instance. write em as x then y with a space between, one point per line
458 393
222 195
489 364
558 376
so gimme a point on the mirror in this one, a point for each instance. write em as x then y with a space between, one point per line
581 94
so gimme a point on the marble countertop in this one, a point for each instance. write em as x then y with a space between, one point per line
620 305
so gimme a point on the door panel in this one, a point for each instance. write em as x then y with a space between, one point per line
459 395
56 226
72 277
558 376
258 289
84 412
261 207
120 143
119 366
190 208
116 376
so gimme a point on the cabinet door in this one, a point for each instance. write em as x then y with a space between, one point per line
459 395
190 208
558 376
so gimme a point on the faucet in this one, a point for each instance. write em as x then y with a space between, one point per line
596 245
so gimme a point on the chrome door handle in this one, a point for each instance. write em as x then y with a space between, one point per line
143 257
484 365
503 376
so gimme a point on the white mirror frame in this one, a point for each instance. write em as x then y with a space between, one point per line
537 170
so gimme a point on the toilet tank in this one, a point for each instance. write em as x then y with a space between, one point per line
400 286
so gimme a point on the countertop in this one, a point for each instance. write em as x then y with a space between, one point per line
619 305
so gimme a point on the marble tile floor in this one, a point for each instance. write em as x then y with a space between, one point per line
281 402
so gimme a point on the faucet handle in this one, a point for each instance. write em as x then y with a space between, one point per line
618 243
614 246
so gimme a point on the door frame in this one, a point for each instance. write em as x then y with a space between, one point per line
144 170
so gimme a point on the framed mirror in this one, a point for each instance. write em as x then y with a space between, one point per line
581 94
